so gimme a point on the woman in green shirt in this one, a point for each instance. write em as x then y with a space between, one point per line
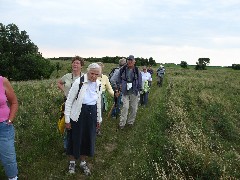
65 83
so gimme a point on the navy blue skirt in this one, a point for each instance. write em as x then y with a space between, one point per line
82 136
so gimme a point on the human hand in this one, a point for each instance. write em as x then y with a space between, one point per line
117 93
9 122
98 125
68 126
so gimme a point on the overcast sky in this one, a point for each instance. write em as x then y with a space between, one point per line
170 31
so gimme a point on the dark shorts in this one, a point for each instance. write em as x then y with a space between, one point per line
82 136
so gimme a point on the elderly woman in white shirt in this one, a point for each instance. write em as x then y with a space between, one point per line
82 113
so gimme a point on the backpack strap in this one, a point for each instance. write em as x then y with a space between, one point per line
80 85
112 71
135 73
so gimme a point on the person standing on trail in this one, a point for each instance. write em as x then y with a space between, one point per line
146 77
160 75
130 81
82 113
8 110
106 86
113 77
150 70
65 83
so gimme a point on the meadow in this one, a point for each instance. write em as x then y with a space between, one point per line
190 129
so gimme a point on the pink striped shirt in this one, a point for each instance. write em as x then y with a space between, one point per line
4 109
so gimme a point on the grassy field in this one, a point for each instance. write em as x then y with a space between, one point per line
189 130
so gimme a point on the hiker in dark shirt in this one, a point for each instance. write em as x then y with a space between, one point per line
130 82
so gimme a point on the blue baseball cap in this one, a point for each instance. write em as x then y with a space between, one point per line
130 57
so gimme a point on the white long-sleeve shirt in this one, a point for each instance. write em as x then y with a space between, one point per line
73 107
146 76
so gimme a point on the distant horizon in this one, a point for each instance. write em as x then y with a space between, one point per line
144 58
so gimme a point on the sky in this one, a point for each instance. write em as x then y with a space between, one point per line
169 31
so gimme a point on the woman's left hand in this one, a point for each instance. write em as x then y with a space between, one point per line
9 122
68 126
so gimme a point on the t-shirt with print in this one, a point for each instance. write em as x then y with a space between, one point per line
129 73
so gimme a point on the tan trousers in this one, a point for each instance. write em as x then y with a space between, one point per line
132 102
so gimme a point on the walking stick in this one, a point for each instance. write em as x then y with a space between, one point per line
109 114
115 104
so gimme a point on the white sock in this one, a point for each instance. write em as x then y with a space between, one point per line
82 163
72 162
15 178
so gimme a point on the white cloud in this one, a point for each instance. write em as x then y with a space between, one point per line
167 30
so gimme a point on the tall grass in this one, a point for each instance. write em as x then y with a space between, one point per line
189 130
203 131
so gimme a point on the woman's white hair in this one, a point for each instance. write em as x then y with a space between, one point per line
93 66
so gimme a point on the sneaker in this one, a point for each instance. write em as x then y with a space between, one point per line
71 168
85 169
121 127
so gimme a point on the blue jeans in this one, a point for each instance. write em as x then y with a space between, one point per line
144 98
7 149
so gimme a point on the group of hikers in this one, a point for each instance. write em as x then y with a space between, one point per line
85 101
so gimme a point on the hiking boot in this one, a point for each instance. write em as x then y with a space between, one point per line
84 167
71 168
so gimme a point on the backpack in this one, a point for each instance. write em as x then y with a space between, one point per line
61 120
160 71
112 72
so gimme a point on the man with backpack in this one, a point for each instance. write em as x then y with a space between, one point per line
160 75
113 76
130 82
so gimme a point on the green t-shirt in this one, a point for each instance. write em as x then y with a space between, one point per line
68 79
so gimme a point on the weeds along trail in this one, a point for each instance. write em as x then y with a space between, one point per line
127 153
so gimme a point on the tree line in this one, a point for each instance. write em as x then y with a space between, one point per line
107 59
20 58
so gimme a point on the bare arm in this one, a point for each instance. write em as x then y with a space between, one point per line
12 99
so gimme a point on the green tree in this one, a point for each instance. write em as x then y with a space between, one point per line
236 66
16 46
202 63
152 62
184 64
